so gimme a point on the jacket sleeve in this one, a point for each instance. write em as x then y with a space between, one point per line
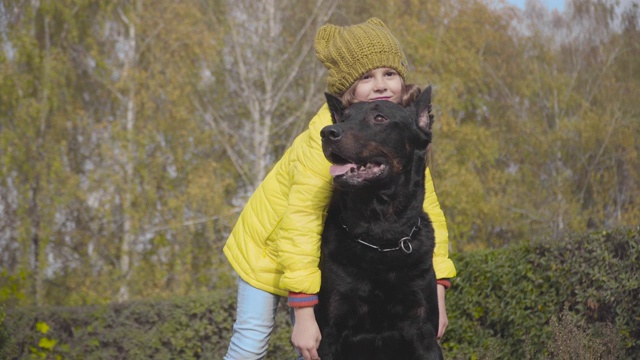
303 221
442 265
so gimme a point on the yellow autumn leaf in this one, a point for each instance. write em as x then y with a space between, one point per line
47 344
42 327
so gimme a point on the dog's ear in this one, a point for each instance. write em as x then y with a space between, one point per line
335 107
423 109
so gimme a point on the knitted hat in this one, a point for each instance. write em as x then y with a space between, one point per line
349 52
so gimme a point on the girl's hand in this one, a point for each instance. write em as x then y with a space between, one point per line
306 333
442 310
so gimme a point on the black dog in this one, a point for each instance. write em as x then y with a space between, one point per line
378 297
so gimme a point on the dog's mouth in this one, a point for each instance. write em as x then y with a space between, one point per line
351 169
343 169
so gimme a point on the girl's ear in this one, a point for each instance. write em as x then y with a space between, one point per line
335 107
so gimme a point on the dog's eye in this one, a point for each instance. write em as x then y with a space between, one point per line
379 118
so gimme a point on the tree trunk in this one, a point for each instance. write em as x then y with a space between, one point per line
128 234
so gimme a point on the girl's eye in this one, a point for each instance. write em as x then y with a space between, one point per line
391 73
366 76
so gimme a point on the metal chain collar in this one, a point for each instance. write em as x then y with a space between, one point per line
404 244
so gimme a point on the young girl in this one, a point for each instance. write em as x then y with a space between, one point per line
275 245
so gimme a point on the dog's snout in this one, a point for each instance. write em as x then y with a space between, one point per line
331 132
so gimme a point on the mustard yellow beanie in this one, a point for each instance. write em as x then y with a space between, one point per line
349 52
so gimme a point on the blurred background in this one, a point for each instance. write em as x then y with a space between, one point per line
132 132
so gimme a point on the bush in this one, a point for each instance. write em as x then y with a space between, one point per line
571 300
3 333
573 340
196 327
504 302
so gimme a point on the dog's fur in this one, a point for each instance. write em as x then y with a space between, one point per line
378 303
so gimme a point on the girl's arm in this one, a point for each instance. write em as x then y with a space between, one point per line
299 243
306 333
308 201
442 265
443 320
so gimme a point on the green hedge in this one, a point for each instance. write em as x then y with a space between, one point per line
571 300
196 327
3 330
518 302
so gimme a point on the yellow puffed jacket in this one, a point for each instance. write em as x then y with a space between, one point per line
275 245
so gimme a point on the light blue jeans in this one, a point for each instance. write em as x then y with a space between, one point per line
255 318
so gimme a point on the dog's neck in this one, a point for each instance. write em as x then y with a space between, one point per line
392 205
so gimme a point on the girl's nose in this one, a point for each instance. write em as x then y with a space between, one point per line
379 84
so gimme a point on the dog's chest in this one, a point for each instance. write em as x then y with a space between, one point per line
383 251
375 264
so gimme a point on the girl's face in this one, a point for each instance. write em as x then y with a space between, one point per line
379 84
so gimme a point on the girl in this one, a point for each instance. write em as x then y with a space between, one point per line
275 245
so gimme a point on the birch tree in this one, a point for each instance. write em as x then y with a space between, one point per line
271 80
151 65
30 138
124 189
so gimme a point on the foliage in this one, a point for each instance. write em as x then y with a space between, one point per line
533 121
107 184
577 299
508 301
574 340
3 332
195 327
132 131
268 67
45 346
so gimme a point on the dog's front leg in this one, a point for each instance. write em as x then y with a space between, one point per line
329 344
424 342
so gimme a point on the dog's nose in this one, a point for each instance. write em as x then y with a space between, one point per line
331 132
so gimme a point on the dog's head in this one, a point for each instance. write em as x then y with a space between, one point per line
375 142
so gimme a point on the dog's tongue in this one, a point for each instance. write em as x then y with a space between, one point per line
336 170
